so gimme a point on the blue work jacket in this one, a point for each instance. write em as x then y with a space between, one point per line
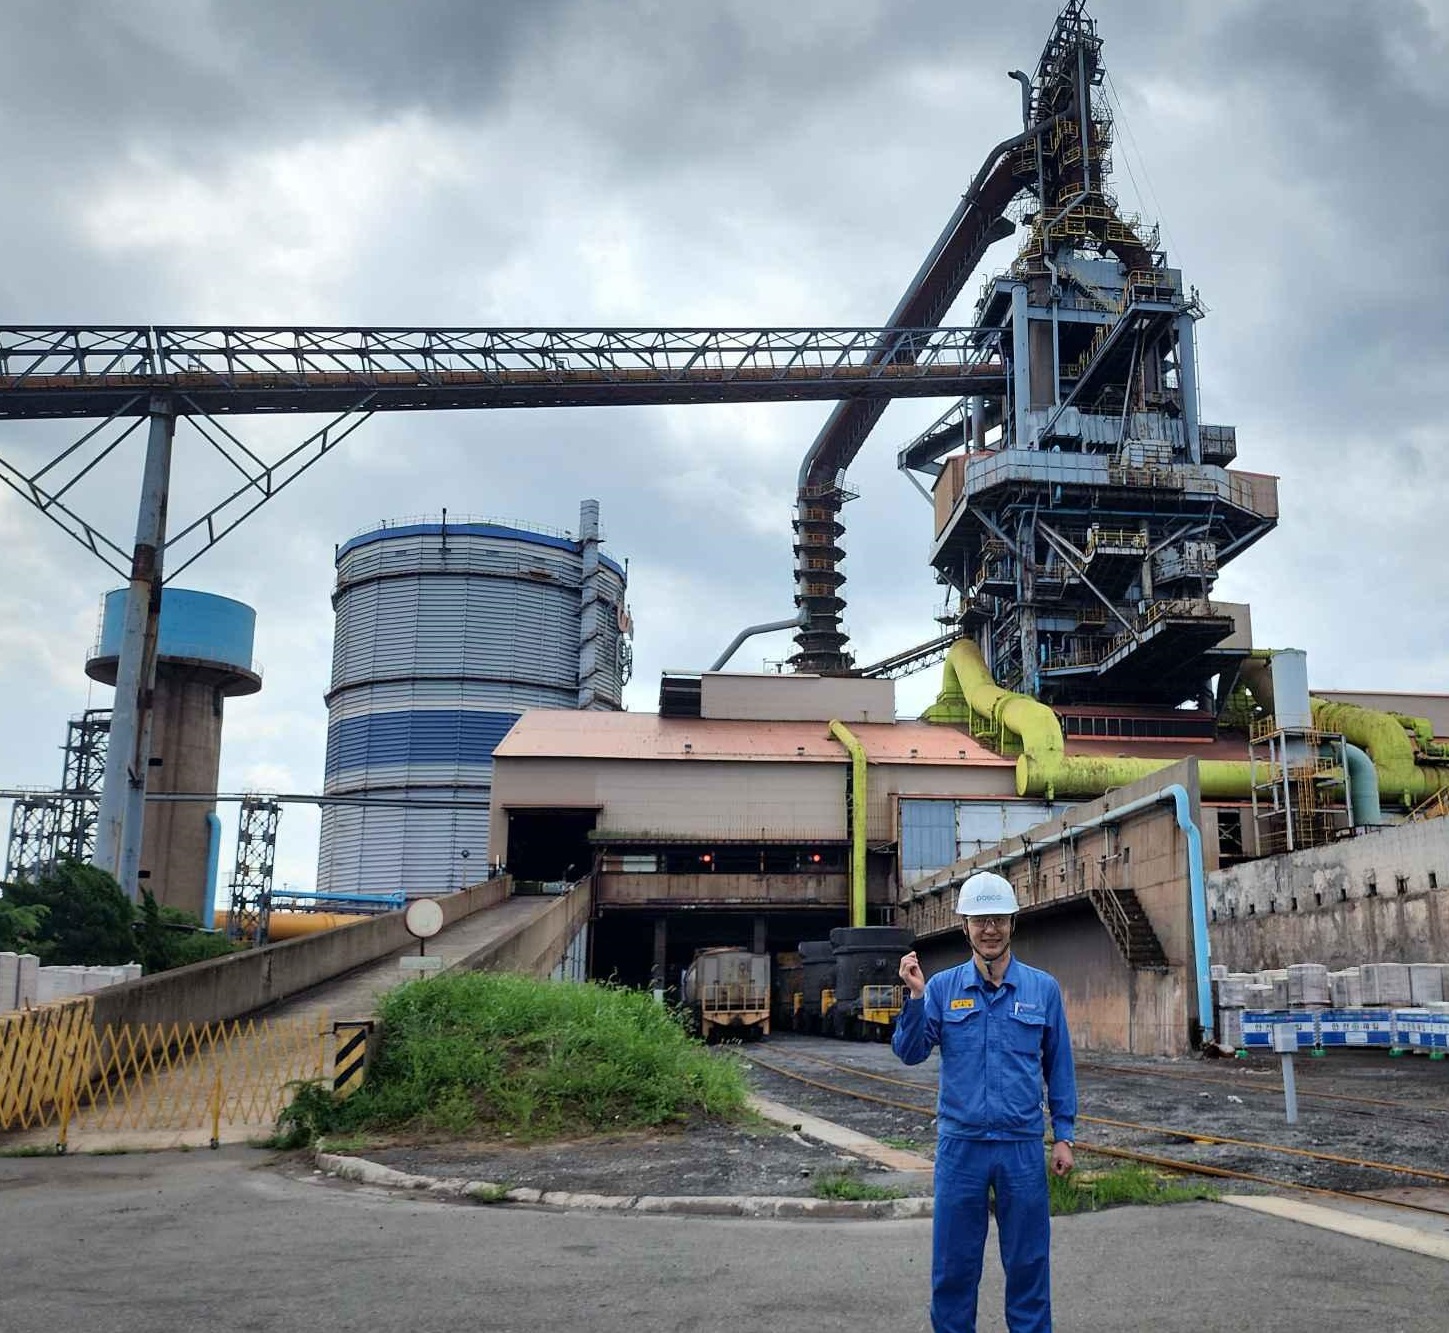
996 1044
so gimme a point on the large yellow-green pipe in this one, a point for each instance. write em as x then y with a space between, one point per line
858 809
1044 768
1382 735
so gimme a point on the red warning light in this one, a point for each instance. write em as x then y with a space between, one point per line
706 858
815 857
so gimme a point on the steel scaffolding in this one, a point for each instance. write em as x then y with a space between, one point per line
251 881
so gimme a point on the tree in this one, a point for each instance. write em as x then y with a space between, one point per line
86 919
20 927
167 937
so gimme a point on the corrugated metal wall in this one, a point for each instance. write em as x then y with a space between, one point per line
936 833
444 635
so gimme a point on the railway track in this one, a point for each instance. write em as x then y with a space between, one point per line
1161 1160
1375 1106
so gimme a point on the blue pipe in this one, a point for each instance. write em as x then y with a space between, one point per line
1201 944
213 861
393 900
1363 779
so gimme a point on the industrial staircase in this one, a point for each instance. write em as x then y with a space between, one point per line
1434 806
1131 931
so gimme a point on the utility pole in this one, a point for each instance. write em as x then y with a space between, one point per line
123 795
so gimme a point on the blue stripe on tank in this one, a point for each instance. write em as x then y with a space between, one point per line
424 736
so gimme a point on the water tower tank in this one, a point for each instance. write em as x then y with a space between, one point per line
447 630
203 656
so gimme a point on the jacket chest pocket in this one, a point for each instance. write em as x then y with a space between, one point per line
1024 1032
961 1029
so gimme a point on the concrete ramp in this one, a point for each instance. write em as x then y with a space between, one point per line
526 935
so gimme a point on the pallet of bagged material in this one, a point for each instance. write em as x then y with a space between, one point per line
1385 984
1356 1027
1258 1025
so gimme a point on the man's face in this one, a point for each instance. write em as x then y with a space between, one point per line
990 936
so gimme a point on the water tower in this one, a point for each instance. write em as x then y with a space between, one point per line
203 657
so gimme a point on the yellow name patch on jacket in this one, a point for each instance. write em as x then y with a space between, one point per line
963 1004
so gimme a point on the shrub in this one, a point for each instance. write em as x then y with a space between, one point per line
497 1054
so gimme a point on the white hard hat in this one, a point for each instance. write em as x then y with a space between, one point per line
986 894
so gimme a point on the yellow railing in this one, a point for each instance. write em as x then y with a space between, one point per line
57 1070
42 1052
1130 538
880 1004
734 998
1435 806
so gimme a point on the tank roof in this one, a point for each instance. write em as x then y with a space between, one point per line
560 541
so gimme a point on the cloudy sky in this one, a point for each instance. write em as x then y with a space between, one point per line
683 162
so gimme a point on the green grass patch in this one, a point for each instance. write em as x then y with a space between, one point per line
489 1193
904 1144
1115 1186
496 1055
31 1150
849 1185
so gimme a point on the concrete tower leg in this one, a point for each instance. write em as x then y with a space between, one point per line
123 795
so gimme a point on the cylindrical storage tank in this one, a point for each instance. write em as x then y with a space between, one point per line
446 631
203 656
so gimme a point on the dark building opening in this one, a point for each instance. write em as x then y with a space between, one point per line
550 845
624 940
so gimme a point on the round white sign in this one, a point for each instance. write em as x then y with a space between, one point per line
424 918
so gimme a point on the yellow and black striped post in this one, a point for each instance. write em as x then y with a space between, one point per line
349 1060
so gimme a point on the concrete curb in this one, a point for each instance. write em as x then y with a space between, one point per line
1373 1229
363 1172
838 1136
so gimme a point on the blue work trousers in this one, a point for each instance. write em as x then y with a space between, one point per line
1016 1170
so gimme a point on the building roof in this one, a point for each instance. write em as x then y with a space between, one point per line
552 733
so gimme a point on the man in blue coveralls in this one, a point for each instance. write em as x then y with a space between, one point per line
1000 1027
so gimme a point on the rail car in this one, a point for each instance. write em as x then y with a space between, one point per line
728 991
849 985
817 986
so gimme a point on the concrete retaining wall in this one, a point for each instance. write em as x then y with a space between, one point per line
543 943
223 988
1110 1005
1382 897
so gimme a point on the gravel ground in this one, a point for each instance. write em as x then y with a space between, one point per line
709 1159
1228 1098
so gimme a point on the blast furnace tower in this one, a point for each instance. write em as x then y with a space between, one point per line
1084 521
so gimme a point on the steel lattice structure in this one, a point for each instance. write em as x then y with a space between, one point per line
126 374
251 883
49 826
114 371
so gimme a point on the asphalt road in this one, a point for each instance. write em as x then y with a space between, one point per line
162 1242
